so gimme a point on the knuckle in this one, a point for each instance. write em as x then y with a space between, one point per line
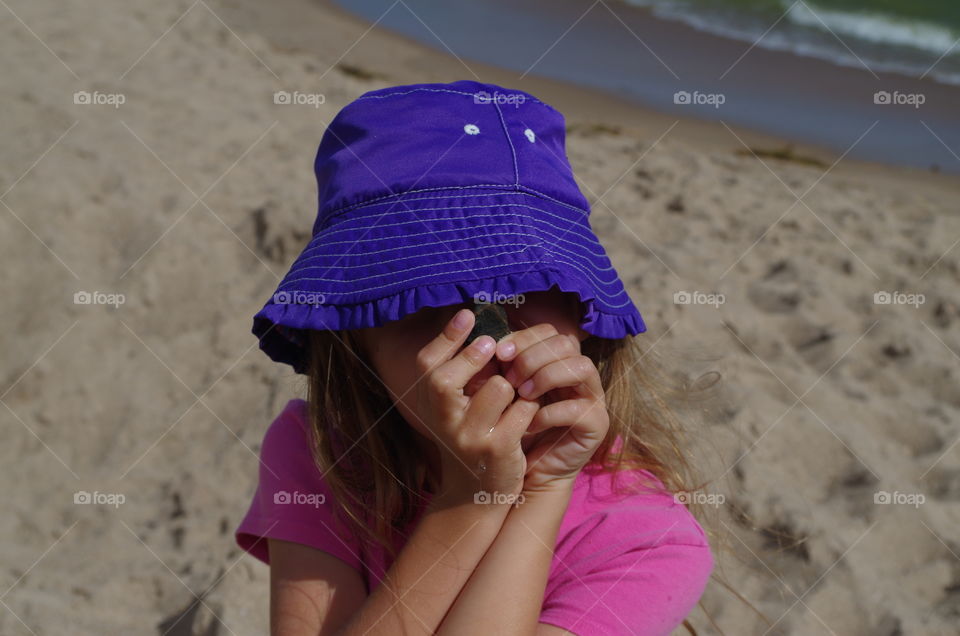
521 366
464 441
584 365
424 361
594 409
500 386
474 356
549 330
567 347
542 417
440 382
471 355
575 412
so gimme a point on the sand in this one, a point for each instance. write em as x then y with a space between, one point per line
191 198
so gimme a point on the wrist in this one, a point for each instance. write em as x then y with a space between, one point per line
474 502
554 488
556 495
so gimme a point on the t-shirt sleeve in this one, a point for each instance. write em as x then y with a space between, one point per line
292 501
635 571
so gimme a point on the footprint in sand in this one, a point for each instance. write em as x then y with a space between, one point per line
814 343
944 483
778 292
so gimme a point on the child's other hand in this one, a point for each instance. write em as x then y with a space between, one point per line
548 365
478 436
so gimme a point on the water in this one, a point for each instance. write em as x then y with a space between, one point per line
813 77
914 38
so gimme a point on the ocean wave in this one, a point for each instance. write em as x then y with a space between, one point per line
813 32
875 27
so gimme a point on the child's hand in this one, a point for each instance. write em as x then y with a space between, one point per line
549 366
478 436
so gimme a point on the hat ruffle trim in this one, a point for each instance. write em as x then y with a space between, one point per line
279 326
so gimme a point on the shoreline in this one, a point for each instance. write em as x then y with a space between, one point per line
787 95
291 25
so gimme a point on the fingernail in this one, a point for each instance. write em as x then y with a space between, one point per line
461 320
485 344
507 349
525 388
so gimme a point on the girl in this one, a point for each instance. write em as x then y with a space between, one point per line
519 486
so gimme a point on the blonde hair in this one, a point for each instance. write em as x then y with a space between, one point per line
375 466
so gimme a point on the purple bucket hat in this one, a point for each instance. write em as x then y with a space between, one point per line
438 194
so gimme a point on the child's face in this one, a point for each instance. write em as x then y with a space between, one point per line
392 349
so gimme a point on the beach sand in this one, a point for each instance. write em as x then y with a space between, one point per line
193 196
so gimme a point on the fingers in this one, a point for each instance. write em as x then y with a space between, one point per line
535 354
581 414
540 346
450 378
515 420
514 343
487 404
445 345
570 426
578 373
445 374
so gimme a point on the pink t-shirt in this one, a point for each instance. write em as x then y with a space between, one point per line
633 564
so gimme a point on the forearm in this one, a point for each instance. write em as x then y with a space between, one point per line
505 593
431 570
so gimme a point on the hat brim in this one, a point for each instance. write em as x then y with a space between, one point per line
385 259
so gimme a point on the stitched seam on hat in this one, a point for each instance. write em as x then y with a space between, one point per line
452 92
590 235
523 188
351 206
502 193
420 254
544 195
574 253
441 198
583 248
513 151
596 284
